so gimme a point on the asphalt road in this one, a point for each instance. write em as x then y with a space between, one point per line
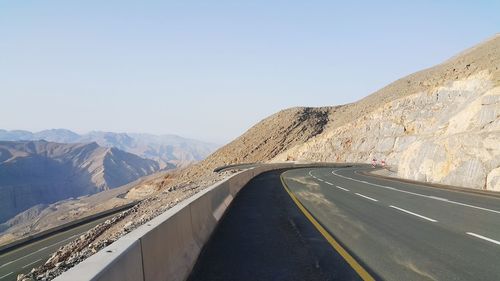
22 260
264 236
403 231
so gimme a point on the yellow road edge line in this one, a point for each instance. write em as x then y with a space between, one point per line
347 257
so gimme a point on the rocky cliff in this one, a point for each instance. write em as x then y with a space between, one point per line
439 125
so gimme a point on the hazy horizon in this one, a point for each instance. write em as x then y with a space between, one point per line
211 70
99 131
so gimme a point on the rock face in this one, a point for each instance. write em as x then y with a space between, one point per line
169 151
440 125
40 172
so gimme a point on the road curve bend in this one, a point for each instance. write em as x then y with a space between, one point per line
404 231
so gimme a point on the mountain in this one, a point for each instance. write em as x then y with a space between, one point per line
41 172
439 125
169 151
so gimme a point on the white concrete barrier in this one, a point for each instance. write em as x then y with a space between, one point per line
166 248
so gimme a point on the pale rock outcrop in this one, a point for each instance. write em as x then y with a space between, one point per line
449 134
493 182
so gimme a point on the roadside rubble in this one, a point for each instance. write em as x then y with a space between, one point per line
112 229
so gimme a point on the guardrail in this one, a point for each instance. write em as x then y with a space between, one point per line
166 248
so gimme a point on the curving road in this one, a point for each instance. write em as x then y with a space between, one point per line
339 224
264 236
403 231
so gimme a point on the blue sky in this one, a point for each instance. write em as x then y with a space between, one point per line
212 69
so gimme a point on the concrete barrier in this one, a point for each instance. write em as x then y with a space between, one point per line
166 248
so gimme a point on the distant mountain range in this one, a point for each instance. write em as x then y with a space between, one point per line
41 172
168 150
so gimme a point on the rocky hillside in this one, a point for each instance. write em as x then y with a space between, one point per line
271 136
262 142
169 151
439 125
40 172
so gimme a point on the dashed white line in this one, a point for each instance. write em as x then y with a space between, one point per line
412 213
2 277
329 183
41 249
422 195
484 238
32 263
340 187
364 196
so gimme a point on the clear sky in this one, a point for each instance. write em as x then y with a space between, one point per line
212 69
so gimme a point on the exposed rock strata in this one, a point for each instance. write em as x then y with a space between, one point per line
439 125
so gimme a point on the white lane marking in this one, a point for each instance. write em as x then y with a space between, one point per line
6 275
340 187
32 263
421 195
412 213
484 238
39 250
62 241
364 196
327 182
439 198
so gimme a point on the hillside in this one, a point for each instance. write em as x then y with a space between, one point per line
416 124
262 142
439 125
169 151
40 172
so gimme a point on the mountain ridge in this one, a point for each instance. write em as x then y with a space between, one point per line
169 150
